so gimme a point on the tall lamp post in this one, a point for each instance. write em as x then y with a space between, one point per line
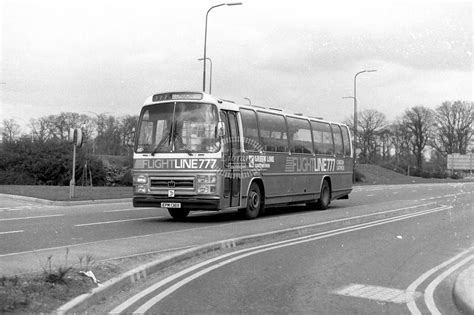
355 117
248 99
205 41
210 75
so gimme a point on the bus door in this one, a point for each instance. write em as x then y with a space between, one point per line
232 160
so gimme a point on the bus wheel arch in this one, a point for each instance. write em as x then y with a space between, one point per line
255 204
325 194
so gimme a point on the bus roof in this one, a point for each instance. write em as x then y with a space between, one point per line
226 104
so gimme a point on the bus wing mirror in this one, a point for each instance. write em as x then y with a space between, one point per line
220 129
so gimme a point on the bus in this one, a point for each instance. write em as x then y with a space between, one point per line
194 151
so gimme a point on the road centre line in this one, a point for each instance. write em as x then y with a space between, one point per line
321 223
154 208
35 217
214 226
118 221
12 232
412 287
247 252
129 209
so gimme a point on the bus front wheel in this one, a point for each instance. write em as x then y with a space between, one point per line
178 214
325 196
254 203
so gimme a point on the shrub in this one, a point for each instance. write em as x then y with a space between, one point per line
28 162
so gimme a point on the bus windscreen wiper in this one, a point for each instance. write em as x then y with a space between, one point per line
168 139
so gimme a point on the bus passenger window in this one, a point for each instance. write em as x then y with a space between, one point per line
336 132
273 133
300 135
346 140
322 135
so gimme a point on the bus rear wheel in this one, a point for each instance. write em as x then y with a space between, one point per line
254 203
178 214
325 197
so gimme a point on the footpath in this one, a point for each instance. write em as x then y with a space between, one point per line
172 247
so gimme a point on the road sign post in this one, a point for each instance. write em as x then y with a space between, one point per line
75 137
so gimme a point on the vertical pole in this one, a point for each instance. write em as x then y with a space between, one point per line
72 183
355 131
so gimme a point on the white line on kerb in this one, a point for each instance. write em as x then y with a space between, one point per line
412 287
429 299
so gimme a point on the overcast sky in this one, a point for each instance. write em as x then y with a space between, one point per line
108 56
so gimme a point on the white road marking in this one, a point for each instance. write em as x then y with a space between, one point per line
12 232
18 208
412 287
244 253
429 292
129 209
118 221
35 217
377 293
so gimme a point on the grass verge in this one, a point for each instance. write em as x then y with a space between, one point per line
45 292
61 193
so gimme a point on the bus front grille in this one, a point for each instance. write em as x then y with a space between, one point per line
172 183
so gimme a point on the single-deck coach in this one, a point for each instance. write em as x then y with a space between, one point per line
194 151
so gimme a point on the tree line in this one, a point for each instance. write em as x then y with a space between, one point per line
43 156
103 134
417 142
420 138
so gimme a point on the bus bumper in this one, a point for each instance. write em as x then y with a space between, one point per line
190 203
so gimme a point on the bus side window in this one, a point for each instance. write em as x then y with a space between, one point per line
299 135
346 140
322 135
273 133
249 125
336 132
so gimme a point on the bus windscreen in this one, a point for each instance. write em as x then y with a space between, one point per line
178 127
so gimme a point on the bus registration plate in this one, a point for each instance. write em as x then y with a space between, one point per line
171 205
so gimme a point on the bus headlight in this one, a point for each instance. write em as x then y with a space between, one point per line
140 179
206 184
207 179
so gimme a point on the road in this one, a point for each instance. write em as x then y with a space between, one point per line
354 270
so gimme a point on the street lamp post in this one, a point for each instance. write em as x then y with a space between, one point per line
248 99
355 117
205 41
210 75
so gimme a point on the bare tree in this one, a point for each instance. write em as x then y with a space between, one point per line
400 139
370 124
11 130
419 122
40 129
454 122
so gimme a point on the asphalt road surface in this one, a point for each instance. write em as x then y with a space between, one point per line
405 263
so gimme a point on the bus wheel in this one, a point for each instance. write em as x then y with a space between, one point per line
254 203
178 214
325 197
